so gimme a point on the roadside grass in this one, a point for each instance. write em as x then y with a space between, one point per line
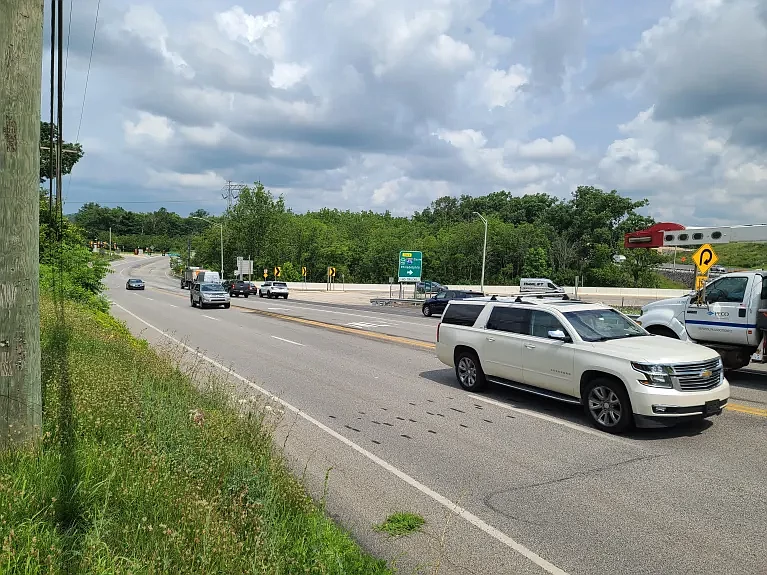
400 524
666 283
742 255
141 472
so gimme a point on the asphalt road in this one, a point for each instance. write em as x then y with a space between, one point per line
539 490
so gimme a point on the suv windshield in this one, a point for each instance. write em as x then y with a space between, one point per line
210 287
603 325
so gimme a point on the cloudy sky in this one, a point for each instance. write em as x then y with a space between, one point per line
389 104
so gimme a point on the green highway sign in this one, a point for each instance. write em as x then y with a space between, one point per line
410 266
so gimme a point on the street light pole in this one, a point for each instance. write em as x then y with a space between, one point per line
484 253
221 224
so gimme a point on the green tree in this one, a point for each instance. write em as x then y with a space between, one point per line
536 264
72 152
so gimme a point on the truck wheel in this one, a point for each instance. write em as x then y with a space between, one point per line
662 331
227 305
469 371
608 405
246 296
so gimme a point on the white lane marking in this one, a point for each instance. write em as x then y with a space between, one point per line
171 305
362 324
287 340
493 532
562 422
213 318
149 298
277 308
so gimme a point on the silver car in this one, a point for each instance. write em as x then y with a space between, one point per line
209 295
273 289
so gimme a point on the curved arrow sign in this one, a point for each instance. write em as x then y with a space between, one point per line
705 258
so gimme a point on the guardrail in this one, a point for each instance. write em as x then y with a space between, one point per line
396 301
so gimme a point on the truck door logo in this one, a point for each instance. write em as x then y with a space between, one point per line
719 313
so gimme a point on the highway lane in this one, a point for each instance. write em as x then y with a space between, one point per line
156 273
750 386
671 501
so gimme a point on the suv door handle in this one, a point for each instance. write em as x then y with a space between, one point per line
489 338
529 346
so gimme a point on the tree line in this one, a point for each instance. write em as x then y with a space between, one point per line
535 235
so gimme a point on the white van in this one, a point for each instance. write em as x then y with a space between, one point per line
527 285
207 276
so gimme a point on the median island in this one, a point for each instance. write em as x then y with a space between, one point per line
141 472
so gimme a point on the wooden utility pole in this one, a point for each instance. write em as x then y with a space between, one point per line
21 56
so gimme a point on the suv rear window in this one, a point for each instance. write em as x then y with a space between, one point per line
280 284
462 314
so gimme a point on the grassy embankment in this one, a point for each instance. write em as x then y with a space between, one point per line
742 255
140 472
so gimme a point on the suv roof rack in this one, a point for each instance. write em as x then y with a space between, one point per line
544 294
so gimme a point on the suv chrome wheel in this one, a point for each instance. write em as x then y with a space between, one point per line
469 372
608 405
605 406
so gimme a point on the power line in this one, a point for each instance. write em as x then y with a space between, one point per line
87 78
69 33
192 201
51 154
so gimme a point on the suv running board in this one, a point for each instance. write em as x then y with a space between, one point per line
536 391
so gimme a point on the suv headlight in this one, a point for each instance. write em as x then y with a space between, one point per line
654 375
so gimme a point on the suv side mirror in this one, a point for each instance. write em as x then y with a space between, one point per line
558 334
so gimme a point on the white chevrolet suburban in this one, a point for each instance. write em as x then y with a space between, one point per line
581 353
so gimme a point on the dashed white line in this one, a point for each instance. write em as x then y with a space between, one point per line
213 318
277 308
171 305
288 340
453 507
149 298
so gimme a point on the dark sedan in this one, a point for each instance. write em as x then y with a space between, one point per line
134 283
437 304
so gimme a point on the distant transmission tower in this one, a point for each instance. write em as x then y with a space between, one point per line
231 192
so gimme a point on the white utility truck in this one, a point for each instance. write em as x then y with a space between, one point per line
729 315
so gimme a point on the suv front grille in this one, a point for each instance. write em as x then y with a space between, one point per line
698 376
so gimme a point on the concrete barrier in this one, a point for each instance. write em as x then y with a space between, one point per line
612 292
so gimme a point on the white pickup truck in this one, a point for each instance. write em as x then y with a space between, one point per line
730 319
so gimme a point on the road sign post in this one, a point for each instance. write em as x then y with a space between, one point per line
410 267
704 259
700 282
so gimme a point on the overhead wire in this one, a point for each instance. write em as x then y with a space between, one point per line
87 78
187 201
66 57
